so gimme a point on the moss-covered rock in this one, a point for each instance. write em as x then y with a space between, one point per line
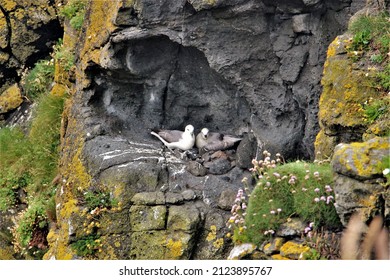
369 199
183 217
345 89
274 246
10 99
4 31
26 19
293 250
361 160
144 218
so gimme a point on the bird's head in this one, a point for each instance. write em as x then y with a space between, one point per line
205 132
189 128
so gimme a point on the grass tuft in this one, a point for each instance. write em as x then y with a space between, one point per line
285 190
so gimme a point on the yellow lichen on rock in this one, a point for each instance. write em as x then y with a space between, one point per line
100 24
3 31
10 99
212 234
279 257
361 159
345 89
293 250
8 5
175 249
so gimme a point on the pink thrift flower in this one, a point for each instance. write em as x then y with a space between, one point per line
329 199
328 188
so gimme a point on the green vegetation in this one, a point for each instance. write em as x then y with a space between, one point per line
98 199
9 185
96 202
33 218
29 160
74 11
375 109
371 33
32 161
371 45
87 246
39 79
383 78
63 56
282 191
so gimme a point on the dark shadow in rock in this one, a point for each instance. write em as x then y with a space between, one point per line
153 82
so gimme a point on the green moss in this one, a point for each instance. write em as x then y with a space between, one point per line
39 79
74 11
87 246
286 190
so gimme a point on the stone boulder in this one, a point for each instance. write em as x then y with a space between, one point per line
359 181
10 99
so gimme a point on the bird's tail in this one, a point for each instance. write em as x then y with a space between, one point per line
159 137
229 138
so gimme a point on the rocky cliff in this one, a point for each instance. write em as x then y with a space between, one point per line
246 67
24 36
249 68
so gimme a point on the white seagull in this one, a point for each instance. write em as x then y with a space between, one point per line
214 141
176 139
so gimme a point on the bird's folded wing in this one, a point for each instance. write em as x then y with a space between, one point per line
227 142
171 135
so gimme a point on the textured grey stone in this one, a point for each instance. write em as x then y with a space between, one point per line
301 23
353 195
148 198
183 217
291 228
218 166
144 218
226 199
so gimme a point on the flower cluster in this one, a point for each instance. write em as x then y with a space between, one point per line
260 167
326 198
238 211
308 230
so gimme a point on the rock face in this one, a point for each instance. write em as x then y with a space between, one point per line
358 148
359 183
28 29
234 66
248 68
345 88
